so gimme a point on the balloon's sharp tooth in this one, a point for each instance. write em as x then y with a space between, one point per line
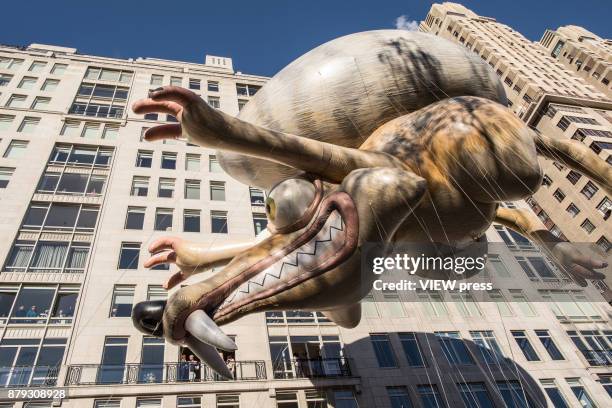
208 355
201 326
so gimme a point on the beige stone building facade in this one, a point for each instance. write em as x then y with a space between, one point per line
584 53
553 99
82 196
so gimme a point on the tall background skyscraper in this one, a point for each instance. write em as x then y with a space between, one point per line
82 196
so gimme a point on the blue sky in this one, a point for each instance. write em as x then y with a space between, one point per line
261 36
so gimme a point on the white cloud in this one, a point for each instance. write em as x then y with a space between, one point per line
402 23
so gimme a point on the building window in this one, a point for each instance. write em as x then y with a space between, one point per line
50 85
559 195
383 350
549 344
228 401
213 86
605 207
16 101
430 396
604 244
217 190
166 188
188 401
40 103
128 255
550 387
399 397
213 164
606 383
589 190
135 218
512 239
475 395
535 267
498 265
168 161
570 305
71 183
156 292
16 149
163 219
344 399
593 346
194 83
246 89
5 79
70 129
39 304
10 63
502 305
587 226
59 69
513 394
5 121
31 362
573 210
144 158
191 221
176 81
29 124
241 104
157 80
37 66
433 303
91 131
487 345
192 189
260 222
580 393
140 186
454 348
192 162
5 176
151 362
113 361
218 222
26 82
214 101
412 349
123 299
573 176
107 403
151 116
257 196
465 304
286 399
525 345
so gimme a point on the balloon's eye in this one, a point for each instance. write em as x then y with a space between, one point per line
288 201
270 208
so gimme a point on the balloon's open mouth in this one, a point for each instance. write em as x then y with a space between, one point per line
329 239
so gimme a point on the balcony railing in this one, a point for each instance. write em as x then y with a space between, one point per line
28 376
312 368
99 374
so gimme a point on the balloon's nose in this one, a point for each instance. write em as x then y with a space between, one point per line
147 317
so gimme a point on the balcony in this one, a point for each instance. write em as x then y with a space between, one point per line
167 373
28 376
312 368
